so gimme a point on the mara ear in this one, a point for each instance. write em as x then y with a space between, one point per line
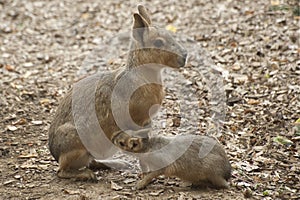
143 12
140 26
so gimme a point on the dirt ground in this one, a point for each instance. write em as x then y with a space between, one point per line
45 46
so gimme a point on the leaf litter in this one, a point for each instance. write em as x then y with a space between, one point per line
255 45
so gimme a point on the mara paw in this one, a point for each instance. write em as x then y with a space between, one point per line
140 185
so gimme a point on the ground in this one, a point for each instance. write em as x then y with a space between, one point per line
45 46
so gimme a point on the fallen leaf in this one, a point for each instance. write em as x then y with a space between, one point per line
171 28
266 193
28 166
129 180
27 74
296 139
275 2
282 140
10 68
85 15
242 183
249 12
44 101
239 78
28 64
11 128
17 176
32 154
156 193
43 167
20 121
117 197
115 186
253 102
8 182
36 122
71 192
236 67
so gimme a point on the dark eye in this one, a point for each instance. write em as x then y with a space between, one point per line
122 144
134 145
158 43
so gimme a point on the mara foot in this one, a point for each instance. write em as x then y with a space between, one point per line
80 175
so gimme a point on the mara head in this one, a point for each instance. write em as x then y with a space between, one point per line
154 45
131 141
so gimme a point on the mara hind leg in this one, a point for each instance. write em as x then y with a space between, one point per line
70 153
73 158
73 164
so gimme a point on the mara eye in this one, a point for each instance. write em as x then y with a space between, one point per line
134 145
122 144
158 43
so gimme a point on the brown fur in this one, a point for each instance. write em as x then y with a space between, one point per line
212 170
131 141
64 142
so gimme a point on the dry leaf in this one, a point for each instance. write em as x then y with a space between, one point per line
171 28
28 166
156 193
253 102
129 180
18 176
28 64
44 101
236 67
249 12
85 16
8 182
250 39
37 122
11 128
71 192
32 154
20 121
282 140
115 186
275 2
10 68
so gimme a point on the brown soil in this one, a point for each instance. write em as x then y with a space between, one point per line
43 45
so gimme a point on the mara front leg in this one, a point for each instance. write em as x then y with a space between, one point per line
147 179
